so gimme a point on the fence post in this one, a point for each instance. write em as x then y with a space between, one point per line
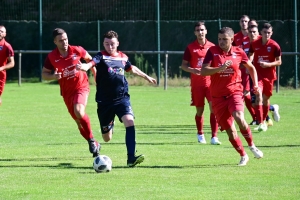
166 71
20 67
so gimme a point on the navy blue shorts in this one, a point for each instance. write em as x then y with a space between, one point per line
106 114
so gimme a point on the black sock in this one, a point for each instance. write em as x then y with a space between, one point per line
130 141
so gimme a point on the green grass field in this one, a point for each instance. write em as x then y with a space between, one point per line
43 156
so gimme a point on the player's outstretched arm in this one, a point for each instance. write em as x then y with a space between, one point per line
136 71
48 75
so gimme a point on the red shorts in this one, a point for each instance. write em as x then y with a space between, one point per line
245 79
266 86
80 97
198 95
2 81
223 108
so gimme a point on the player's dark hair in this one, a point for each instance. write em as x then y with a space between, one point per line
227 30
252 26
252 20
110 35
57 31
244 16
200 23
267 26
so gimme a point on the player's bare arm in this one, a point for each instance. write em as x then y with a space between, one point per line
136 71
207 70
10 64
252 71
186 67
48 75
276 63
251 56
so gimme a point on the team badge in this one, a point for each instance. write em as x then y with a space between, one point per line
124 63
1 47
269 49
233 55
74 56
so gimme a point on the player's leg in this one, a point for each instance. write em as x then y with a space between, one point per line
199 119
94 146
214 127
2 84
259 108
125 114
106 117
198 100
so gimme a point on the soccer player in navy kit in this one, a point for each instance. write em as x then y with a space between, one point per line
112 92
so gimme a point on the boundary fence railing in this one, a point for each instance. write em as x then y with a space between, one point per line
166 53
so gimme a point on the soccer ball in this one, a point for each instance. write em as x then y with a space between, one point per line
102 163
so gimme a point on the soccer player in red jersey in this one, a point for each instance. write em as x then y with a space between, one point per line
112 94
6 59
200 85
222 63
242 40
60 64
266 55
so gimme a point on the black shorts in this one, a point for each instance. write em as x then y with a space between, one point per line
106 114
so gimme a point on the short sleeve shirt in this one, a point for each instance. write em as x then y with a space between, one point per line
112 86
228 81
6 51
194 54
242 41
266 53
72 79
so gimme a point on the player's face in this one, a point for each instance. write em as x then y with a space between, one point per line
266 33
225 41
111 45
200 32
61 42
253 33
244 23
2 32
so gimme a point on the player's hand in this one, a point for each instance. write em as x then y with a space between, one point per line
150 79
57 74
263 64
226 64
197 71
82 66
256 90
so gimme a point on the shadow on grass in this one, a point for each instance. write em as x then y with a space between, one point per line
169 129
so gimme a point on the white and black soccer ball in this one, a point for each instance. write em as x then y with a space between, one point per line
102 164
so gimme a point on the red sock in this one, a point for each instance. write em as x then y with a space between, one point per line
249 106
199 123
237 144
265 111
213 125
259 113
247 135
86 126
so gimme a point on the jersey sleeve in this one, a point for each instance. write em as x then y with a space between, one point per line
208 57
97 58
187 54
82 51
10 51
277 51
48 64
127 66
244 57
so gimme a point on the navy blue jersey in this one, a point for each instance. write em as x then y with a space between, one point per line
112 86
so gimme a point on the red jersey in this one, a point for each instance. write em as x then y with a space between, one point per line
72 79
194 54
265 53
228 81
6 51
242 41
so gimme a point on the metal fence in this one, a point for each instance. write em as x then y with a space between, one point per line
165 53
